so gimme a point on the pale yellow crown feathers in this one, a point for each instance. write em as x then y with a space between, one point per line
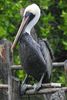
33 8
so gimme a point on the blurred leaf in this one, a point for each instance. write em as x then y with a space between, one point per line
65 44
2 32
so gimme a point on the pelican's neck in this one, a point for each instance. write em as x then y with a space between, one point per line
32 24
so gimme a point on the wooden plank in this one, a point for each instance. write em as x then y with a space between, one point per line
16 67
45 91
55 64
3 86
58 64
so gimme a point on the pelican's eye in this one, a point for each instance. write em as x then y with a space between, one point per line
30 15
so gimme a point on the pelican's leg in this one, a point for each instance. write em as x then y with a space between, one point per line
38 85
23 85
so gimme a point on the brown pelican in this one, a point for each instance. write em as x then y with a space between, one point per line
35 55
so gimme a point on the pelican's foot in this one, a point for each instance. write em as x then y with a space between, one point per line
37 86
23 89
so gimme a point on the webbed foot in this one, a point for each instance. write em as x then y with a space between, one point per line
23 89
37 86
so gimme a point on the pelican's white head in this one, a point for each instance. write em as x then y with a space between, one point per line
33 11
30 18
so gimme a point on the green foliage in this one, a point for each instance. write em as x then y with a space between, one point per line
52 24
59 76
20 74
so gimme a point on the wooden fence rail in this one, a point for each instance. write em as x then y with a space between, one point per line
9 90
54 64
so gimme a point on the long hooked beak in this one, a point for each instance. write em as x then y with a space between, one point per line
21 28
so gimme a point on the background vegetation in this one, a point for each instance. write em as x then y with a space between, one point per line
52 24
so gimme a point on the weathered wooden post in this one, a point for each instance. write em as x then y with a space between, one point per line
5 62
8 84
15 89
